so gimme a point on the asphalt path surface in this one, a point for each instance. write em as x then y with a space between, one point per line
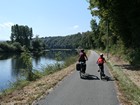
90 90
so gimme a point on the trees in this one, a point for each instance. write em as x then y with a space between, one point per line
84 40
38 44
21 34
123 17
27 61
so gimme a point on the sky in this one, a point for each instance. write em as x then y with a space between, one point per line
45 17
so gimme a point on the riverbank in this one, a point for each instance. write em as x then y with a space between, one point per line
13 67
36 89
32 90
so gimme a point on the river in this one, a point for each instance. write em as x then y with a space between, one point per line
11 64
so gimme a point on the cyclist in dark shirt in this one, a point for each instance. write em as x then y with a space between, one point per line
82 59
82 56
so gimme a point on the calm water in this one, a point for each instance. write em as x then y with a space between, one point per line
11 65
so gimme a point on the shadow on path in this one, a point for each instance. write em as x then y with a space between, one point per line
89 77
94 77
107 78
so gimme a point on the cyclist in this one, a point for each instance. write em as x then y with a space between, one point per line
82 58
101 60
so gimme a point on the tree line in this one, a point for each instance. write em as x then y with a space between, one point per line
70 41
119 27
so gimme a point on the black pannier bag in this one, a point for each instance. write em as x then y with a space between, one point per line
78 66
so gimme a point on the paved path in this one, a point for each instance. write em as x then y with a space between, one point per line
89 91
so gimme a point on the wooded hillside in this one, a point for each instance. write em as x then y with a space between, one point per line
119 26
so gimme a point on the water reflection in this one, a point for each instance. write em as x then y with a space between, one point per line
16 65
11 64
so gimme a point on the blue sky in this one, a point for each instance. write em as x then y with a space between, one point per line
45 17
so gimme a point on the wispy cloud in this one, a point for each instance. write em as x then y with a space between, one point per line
6 25
75 26
5 30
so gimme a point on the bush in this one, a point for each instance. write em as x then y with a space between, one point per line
134 57
7 47
17 46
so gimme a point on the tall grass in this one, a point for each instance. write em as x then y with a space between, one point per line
58 66
130 90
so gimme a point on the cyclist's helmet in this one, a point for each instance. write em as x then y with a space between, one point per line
101 54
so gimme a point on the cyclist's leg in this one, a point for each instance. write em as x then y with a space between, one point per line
103 69
100 70
84 68
100 67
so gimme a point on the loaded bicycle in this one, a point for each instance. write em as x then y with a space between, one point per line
81 67
102 75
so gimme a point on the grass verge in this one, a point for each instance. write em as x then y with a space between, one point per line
131 92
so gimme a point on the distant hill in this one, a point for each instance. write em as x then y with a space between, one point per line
3 40
63 42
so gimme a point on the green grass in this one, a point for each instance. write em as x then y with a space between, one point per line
129 89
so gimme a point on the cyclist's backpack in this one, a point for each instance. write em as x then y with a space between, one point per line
100 61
